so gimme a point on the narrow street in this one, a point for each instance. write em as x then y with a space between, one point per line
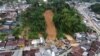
66 52
18 52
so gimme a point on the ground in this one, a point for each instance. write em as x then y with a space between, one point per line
50 27
24 33
72 41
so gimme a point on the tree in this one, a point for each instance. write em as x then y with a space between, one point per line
1 3
34 20
16 31
67 20
95 8
2 36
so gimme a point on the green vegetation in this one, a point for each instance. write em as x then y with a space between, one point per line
2 36
98 18
33 35
17 31
66 19
34 20
1 3
2 21
60 35
95 8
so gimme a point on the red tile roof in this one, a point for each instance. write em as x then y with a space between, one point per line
75 54
11 43
29 53
94 47
21 41
6 54
91 53
2 44
77 51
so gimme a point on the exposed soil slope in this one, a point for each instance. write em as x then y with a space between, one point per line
50 27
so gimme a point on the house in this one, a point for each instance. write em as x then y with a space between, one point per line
2 44
92 36
45 52
85 54
11 15
1 27
6 54
42 40
6 27
95 48
97 15
2 15
30 52
7 24
35 42
80 37
5 30
85 47
11 45
39 41
21 42
91 53
77 51
54 48
10 37
1 18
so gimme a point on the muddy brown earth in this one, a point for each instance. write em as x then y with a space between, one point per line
72 41
50 27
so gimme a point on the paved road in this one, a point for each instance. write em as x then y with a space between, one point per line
65 53
18 52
